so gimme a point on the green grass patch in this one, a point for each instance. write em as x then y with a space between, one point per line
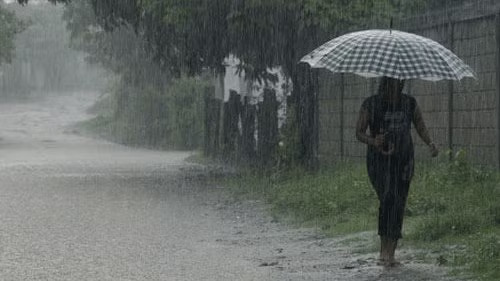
453 208
338 200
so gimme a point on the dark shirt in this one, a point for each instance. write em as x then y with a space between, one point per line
394 121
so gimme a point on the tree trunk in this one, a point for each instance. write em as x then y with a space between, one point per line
305 103
268 128
231 132
211 120
247 144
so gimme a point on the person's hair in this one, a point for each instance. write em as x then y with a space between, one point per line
384 81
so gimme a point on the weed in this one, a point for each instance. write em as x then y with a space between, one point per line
449 202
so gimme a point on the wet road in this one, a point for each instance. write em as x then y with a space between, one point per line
74 208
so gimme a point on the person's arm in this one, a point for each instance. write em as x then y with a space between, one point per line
422 131
362 126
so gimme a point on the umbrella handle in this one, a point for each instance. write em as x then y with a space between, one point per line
390 146
390 150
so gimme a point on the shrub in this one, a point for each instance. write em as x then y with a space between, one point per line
172 118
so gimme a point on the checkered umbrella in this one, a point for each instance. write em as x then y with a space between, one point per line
396 54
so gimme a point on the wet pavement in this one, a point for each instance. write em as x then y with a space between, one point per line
75 208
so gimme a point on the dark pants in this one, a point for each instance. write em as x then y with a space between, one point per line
391 179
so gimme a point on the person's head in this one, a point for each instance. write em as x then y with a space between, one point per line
391 87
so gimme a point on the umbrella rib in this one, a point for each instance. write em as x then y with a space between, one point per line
416 44
399 61
360 44
452 58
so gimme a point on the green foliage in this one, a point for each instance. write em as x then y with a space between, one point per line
43 63
186 112
151 118
188 36
452 202
24 2
151 107
288 150
485 256
461 171
9 27
454 223
338 196
455 198
339 199
458 201
191 36
122 50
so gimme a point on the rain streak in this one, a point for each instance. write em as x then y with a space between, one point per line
250 140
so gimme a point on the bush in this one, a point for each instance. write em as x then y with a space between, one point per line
148 117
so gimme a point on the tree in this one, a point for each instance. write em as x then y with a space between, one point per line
277 33
192 35
42 61
9 27
149 106
121 50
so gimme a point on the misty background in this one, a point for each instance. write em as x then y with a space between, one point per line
43 62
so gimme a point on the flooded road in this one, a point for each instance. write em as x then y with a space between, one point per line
74 208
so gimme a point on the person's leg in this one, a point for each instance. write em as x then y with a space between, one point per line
384 183
395 220
382 224
387 251
386 211
391 211
376 176
384 249
392 244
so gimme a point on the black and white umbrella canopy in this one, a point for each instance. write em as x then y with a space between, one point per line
396 54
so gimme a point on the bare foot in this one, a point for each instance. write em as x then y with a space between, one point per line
388 262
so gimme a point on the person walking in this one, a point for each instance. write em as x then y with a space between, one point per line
390 158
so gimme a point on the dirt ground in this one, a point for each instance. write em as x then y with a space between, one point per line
75 208
292 253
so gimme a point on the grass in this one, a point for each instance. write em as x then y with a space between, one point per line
453 207
326 199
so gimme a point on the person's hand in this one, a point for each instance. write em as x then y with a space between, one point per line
379 141
434 150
